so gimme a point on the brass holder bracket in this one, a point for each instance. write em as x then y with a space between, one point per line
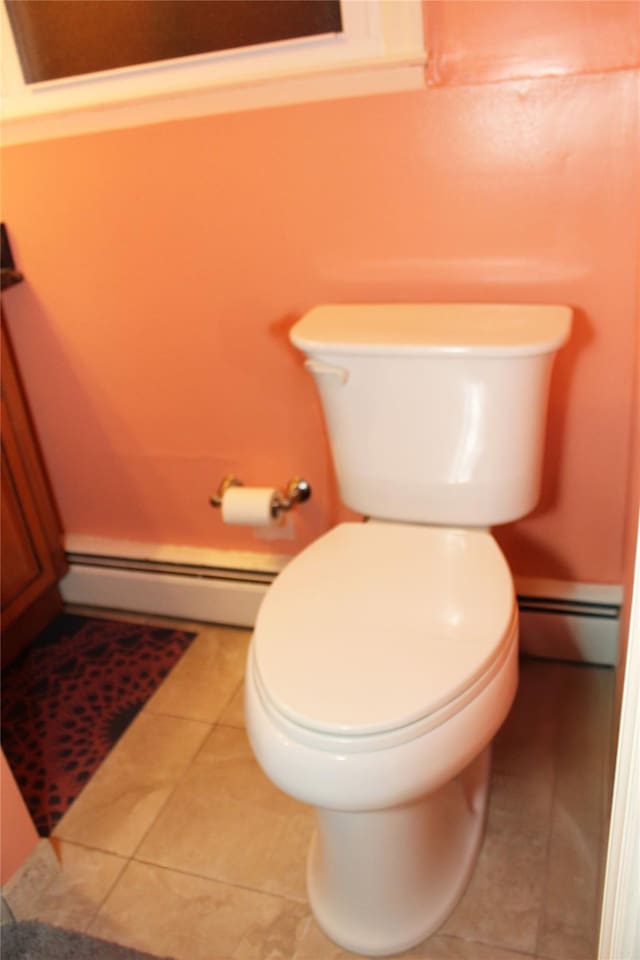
296 491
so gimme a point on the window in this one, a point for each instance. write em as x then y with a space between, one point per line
159 68
64 38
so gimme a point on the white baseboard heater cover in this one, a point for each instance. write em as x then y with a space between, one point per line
558 620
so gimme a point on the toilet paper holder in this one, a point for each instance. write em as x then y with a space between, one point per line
296 491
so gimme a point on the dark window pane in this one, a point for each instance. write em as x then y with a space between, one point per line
63 38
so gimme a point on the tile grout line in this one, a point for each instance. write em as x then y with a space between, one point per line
116 853
108 892
225 883
484 943
552 806
305 930
150 621
218 723
228 702
54 844
490 944
181 716
212 727
85 846
130 858
230 726
606 792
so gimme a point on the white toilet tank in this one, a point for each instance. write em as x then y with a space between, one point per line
436 412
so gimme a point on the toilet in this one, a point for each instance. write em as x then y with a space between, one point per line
385 655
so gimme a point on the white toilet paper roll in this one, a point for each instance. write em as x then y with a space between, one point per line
251 506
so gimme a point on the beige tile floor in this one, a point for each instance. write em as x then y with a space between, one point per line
181 847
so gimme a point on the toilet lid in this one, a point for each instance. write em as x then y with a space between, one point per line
377 625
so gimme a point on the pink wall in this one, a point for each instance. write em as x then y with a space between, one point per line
165 265
493 40
18 835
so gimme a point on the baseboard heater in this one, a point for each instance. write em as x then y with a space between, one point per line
558 620
186 589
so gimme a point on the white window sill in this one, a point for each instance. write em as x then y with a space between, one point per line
381 51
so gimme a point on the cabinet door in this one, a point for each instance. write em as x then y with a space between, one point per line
27 567
22 568
32 552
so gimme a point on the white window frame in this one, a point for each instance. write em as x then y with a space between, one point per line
381 49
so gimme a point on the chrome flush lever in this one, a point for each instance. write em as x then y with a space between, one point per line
321 369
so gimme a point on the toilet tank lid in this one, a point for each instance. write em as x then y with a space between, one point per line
496 329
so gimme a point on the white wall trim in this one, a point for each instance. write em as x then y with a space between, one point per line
209 600
196 583
558 620
565 620
579 636
81 545
569 590
620 919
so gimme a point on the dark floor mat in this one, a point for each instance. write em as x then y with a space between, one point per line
32 940
68 698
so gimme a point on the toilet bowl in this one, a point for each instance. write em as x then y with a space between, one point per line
385 656
382 717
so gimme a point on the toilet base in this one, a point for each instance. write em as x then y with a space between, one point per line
382 881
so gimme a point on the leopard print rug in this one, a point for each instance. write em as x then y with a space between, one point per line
68 698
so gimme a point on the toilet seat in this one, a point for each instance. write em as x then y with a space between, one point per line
378 627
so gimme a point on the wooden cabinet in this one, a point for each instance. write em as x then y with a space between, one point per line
33 557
